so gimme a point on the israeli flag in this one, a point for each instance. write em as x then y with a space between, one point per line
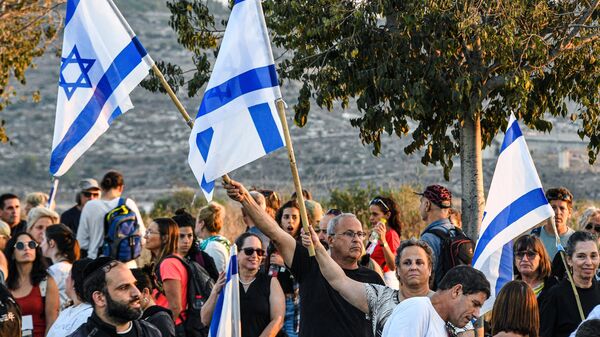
237 122
226 317
516 202
102 62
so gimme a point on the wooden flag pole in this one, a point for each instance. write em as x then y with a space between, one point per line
563 257
299 197
188 120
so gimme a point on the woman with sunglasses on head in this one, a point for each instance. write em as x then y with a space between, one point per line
559 313
162 236
29 283
384 216
262 303
59 245
532 264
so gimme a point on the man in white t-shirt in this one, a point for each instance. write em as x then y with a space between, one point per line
91 224
460 295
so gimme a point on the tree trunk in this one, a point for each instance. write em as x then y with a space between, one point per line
471 170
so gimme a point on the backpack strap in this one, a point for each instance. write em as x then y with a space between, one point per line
159 281
440 233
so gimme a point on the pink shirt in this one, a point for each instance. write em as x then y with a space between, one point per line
173 269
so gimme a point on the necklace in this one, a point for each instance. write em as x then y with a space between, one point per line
247 283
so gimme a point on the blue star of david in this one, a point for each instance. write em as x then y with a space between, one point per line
84 65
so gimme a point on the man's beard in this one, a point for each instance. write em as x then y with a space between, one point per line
122 313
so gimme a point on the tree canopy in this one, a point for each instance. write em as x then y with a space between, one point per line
27 28
457 68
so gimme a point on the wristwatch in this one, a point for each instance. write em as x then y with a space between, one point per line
384 244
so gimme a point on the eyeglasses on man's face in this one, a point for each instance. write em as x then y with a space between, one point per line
350 234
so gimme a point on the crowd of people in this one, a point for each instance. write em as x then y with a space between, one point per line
82 272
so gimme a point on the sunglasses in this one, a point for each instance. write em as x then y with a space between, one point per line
249 251
21 245
90 194
556 195
530 254
594 226
380 202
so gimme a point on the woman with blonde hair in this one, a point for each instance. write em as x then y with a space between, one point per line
38 219
208 226
170 273
515 312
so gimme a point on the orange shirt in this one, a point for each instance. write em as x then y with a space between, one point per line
173 269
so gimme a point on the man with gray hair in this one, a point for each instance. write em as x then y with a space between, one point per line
323 311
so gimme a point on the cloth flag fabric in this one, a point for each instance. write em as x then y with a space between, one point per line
516 202
226 317
237 122
102 62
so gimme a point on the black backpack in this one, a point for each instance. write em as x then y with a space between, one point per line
122 240
199 286
456 248
10 314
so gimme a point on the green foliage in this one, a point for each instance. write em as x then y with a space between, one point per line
27 28
429 61
435 61
356 200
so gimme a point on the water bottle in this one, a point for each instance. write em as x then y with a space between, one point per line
374 237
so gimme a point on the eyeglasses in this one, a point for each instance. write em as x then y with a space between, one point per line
21 245
530 254
593 226
351 234
148 232
249 251
381 202
90 194
333 211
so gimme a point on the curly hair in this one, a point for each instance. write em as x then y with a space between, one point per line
38 271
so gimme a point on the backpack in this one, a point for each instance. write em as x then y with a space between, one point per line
10 314
199 287
121 234
456 248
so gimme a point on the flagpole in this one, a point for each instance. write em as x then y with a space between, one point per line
53 191
299 196
188 120
561 251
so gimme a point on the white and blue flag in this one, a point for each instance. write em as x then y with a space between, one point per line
226 317
237 122
515 203
102 62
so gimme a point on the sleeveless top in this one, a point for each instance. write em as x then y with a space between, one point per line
254 306
33 304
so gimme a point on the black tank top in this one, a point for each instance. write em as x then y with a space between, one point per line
254 306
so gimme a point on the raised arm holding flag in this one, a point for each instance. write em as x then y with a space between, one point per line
238 120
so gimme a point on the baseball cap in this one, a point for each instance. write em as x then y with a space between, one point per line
88 184
439 195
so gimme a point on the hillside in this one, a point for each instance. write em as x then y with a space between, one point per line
149 144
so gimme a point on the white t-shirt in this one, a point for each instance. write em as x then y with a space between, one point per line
70 319
59 272
219 253
415 317
90 233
